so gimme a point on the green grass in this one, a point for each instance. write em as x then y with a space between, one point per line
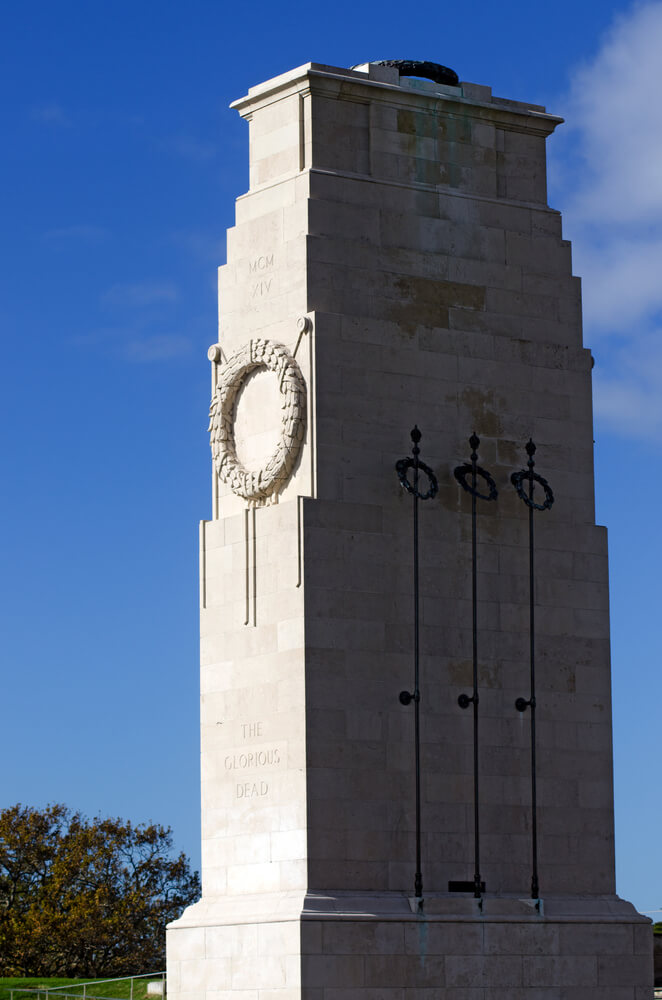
15 983
121 989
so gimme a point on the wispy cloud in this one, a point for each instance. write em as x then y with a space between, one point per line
190 148
74 234
141 293
612 182
627 390
98 336
50 113
157 347
206 245
134 343
622 278
144 325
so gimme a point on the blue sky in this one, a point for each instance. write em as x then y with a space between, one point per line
118 176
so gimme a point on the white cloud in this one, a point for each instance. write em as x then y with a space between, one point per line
140 293
622 281
611 183
628 393
615 105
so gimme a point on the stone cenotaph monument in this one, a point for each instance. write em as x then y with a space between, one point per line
406 721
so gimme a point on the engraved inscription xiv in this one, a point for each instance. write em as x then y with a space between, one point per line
262 287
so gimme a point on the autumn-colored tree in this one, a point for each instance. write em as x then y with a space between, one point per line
86 898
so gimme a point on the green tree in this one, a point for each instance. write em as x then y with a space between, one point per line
86 898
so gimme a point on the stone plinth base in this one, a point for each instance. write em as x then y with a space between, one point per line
386 947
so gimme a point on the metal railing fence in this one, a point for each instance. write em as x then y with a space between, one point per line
88 990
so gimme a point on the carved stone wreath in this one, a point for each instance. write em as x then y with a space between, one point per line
266 483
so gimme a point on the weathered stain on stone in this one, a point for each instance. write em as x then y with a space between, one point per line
426 301
570 680
417 123
509 453
490 675
485 409
454 128
425 171
460 672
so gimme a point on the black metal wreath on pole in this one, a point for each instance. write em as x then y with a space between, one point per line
402 468
476 472
519 479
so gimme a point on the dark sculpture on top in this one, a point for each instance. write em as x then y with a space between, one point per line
427 70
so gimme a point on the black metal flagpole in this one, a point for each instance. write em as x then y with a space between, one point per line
461 473
518 479
402 468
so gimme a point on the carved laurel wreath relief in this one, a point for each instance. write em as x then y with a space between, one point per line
263 485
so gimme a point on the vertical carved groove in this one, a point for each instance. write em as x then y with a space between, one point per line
254 519
203 565
247 573
215 354
299 541
310 423
302 133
